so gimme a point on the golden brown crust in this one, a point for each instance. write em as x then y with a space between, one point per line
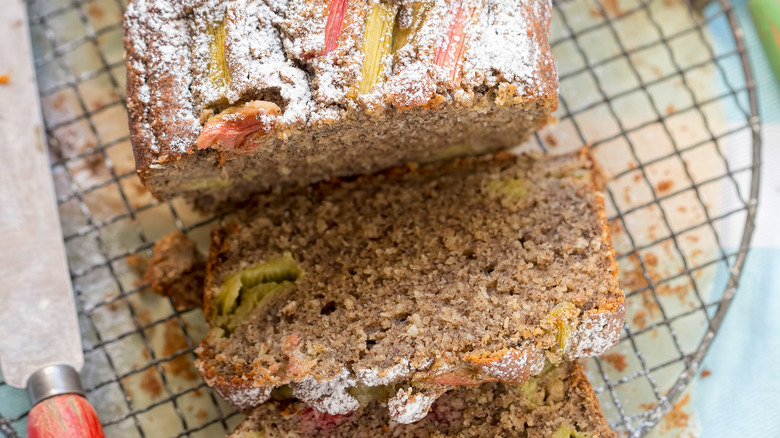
559 399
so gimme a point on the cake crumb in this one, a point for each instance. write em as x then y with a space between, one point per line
610 7
617 360
640 319
705 374
150 382
177 271
144 317
140 265
648 406
95 11
676 418
551 140
175 342
670 109
664 185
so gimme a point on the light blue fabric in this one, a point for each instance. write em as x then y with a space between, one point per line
742 395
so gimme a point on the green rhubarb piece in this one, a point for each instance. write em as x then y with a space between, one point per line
377 42
448 153
405 30
566 431
577 174
243 291
532 393
209 183
219 75
560 316
513 189
367 394
283 392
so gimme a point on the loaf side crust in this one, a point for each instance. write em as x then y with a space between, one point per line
557 399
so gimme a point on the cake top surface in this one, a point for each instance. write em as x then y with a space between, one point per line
405 276
190 60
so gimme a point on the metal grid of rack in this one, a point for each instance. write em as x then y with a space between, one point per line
644 113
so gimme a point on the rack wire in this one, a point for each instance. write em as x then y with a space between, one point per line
667 106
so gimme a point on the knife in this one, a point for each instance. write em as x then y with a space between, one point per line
40 343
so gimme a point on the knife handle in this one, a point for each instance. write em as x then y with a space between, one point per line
60 409
64 416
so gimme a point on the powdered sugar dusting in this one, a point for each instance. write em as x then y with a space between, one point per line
167 68
407 407
273 52
504 29
516 365
259 62
329 396
369 377
596 334
245 398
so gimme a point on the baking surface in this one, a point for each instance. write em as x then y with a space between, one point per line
639 84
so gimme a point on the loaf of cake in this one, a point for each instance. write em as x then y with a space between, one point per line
559 403
226 98
416 280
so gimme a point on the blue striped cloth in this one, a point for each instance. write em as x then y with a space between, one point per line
741 396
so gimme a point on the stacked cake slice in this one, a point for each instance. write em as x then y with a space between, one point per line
452 297
558 403
386 291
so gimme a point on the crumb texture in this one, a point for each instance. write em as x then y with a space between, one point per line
177 271
423 278
558 401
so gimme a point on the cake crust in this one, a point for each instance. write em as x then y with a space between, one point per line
190 62
417 279
558 401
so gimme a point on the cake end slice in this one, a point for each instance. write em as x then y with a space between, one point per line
229 98
558 403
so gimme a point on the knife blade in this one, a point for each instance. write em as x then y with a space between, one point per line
40 341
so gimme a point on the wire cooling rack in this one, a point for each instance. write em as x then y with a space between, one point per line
663 96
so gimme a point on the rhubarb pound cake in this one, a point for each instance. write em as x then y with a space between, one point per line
226 98
559 403
413 280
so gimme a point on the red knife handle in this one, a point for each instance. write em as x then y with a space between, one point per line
64 416
59 407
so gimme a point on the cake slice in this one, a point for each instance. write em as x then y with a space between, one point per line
559 403
414 280
230 97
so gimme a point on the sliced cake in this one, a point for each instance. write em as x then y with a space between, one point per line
559 403
227 97
414 280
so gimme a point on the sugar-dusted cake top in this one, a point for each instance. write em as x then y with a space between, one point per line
318 61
